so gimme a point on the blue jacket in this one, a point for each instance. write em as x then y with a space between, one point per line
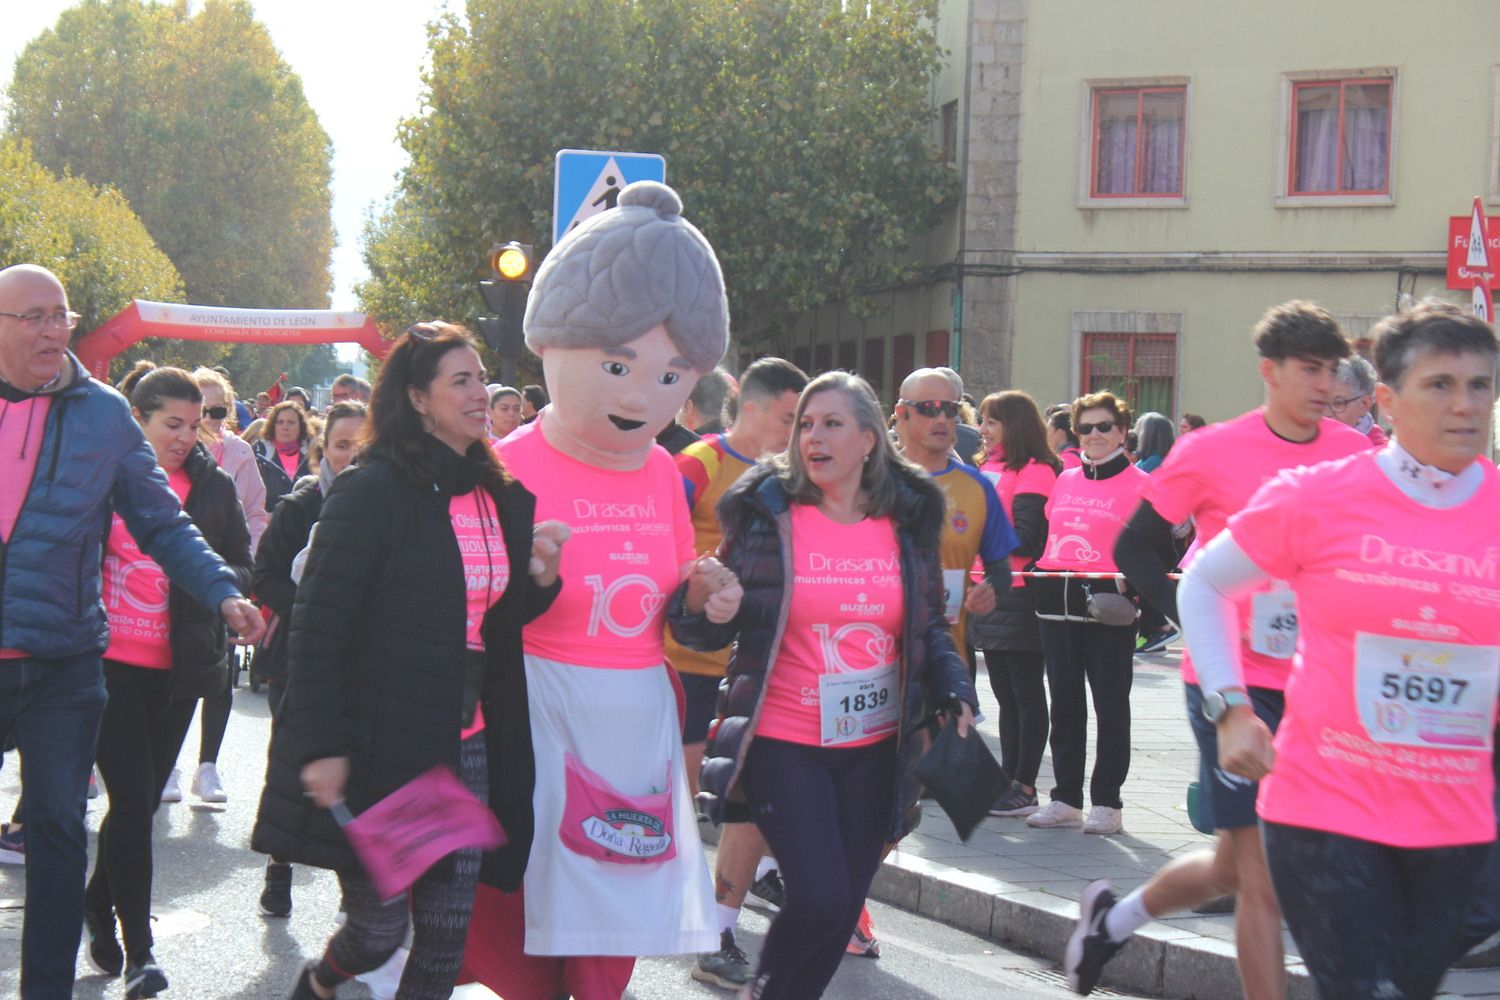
94 459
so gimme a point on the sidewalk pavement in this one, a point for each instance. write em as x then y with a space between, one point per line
1020 885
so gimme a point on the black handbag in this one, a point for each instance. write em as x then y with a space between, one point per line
963 776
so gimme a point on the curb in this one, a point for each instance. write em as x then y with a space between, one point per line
1158 960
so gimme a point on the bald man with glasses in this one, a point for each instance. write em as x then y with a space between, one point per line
70 453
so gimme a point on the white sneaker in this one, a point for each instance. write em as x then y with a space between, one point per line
1055 814
384 981
207 786
173 791
1104 820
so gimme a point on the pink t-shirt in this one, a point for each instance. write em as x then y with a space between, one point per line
1072 458
476 526
1085 516
290 461
21 428
135 596
1390 705
631 535
1210 475
1033 477
845 618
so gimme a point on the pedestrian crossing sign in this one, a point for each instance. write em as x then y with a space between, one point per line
587 182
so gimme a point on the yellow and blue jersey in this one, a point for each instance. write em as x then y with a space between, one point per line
976 526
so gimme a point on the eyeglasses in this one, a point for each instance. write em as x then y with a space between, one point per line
216 412
932 407
1339 404
36 319
1103 427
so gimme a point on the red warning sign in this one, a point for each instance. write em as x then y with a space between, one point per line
1473 249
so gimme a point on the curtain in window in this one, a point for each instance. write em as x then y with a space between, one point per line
1367 136
1114 171
1317 139
1162 117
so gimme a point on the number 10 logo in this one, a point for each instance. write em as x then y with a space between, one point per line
650 602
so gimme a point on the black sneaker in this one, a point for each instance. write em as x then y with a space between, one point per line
302 989
1090 946
276 898
143 977
104 954
1015 801
728 967
770 890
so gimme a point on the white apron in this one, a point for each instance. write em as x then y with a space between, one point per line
622 725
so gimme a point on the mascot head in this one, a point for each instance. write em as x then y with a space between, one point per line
626 313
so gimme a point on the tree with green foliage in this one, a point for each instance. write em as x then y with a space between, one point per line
95 245
799 133
197 120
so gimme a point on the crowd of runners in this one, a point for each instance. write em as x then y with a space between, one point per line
666 596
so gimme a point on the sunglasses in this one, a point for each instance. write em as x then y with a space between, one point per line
216 412
1103 427
932 407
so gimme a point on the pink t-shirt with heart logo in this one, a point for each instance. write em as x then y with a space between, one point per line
845 618
135 593
631 533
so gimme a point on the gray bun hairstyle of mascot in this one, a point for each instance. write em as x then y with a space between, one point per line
626 271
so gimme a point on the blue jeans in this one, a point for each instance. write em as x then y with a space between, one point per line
53 708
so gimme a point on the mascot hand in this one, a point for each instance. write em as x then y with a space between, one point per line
546 550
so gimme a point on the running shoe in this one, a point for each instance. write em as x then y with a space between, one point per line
103 954
1159 640
1015 801
1054 815
386 980
276 897
302 988
173 790
12 845
143 977
1104 820
728 967
1090 946
752 990
770 890
862 941
207 786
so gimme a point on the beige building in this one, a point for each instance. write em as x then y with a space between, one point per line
1142 180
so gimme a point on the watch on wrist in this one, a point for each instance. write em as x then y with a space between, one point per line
1217 703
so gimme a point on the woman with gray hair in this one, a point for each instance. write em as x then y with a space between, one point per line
1354 397
842 649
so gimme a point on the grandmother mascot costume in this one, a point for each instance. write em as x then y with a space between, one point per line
627 311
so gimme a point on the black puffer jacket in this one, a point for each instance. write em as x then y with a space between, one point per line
200 642
757 545
376 653
1013 625
273 474
285 536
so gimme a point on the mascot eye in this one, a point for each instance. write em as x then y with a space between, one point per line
668 378
615 367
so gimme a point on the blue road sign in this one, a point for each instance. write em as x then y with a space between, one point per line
588 181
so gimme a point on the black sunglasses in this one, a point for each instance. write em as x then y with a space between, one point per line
1103 427
216 412
932 407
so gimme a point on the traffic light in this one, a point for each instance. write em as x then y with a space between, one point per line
511 268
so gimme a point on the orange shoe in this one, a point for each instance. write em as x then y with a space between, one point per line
862 941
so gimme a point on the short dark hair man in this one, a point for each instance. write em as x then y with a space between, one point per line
69 453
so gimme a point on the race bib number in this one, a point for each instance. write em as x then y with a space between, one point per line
1426 694
1273 624
953 593
857 706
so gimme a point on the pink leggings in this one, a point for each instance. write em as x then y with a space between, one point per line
495 957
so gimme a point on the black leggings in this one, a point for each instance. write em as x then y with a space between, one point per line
139 737
440 905
824 813
1102 656
1371 920
212 723
1018 677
